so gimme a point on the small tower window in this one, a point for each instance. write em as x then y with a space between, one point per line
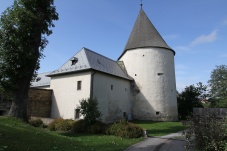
159 74
124 114
135 74
111 87
157 112
79 84
74 60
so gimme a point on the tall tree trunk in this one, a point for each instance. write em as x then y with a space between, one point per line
19 104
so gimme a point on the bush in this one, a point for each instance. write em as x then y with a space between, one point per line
79 127
64 125
52 125
210 133
125 130
89 109
96 128
36 122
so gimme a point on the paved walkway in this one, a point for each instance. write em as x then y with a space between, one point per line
172 142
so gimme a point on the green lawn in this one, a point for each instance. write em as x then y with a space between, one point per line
18 136
160 128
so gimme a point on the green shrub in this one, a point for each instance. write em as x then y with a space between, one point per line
210 133
52 125
125 130
89 109
79 127
36 122
97 128
64 125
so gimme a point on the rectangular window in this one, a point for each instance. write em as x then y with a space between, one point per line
157 112
160 74
111 87
79 84
77 113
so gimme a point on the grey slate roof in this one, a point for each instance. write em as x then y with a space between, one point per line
144 34
41 80
86 60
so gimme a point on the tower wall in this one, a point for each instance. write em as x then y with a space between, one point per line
154 75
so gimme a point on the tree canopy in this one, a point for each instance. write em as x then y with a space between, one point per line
23 28
189 98
218 82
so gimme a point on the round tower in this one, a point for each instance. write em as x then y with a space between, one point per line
150 62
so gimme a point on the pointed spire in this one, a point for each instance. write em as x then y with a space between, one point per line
141 3
144 34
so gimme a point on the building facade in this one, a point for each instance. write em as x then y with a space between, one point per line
140 84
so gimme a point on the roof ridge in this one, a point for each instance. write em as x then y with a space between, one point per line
99 54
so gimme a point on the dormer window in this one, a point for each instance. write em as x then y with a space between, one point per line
38 79
74 60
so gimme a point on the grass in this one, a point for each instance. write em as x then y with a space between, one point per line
160 128
18 136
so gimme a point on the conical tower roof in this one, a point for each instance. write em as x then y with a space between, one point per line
144 34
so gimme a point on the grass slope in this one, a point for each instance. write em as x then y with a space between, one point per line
160 128
18 136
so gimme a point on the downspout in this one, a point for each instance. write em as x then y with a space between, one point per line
92 84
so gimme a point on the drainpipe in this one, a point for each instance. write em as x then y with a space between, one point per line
92 83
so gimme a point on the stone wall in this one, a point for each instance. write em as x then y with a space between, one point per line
209 112
39 102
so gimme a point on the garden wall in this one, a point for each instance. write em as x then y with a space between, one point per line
208 112
39 102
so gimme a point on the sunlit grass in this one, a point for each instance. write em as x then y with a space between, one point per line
18 136
160 128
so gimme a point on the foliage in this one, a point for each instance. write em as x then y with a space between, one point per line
64 125
19 136
79 127
23 27
218 82
52 125
160 128
189 98
36 122
89 109
96 128
125 130
210 133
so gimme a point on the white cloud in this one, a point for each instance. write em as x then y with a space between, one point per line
205 38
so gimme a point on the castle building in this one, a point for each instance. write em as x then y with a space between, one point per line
140 84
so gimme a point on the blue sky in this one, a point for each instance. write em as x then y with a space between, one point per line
195 29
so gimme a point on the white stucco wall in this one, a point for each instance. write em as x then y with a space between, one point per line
157 92
112 103
65 96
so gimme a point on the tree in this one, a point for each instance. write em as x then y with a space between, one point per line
89 109
218 82
189 98
23 28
